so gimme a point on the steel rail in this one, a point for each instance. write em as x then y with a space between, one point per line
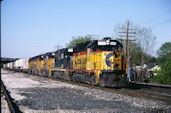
148 85
12 106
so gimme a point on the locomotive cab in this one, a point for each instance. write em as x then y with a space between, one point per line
63 62
48 63
63 58
36 64
105 57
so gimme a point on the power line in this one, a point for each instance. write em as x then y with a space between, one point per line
157 17
167 21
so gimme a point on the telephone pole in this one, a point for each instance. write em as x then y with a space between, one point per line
127 33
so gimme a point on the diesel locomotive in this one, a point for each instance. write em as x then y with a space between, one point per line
96 62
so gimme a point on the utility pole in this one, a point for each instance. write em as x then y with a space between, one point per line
127 33
127 61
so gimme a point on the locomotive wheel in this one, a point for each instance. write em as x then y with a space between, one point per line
102 82
92 80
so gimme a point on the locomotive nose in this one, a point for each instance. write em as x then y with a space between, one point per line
112 60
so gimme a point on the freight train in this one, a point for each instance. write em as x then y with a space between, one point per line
96 62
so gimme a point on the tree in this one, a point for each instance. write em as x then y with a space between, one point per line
140 51
134 52
164 74
164 59
146 40
164 49
77 40
163 52
136 55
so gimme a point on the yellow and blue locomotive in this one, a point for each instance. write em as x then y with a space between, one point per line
97 62
48 63
100 62
35 64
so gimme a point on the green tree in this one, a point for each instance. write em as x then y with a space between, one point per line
164 59
77 40
163 52
164 74
136 56
134 52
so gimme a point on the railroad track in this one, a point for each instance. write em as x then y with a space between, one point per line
12 106
154 92
159 93
149 85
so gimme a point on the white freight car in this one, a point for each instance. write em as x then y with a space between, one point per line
17 64
26 63
21 63
11 65
8 65
5 66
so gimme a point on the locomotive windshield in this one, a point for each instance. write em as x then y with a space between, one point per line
109 48
107 45
104 45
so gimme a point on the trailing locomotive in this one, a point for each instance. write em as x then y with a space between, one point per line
35 64
42 64
97 62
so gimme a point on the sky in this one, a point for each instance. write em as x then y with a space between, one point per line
33 27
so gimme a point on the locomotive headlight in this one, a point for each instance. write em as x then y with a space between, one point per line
107 41
101 42
70 49
112 43
53 54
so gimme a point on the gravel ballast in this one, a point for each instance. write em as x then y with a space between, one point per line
43 95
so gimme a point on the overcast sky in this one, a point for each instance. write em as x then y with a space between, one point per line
32 27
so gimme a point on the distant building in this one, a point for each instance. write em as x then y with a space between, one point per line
144 73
